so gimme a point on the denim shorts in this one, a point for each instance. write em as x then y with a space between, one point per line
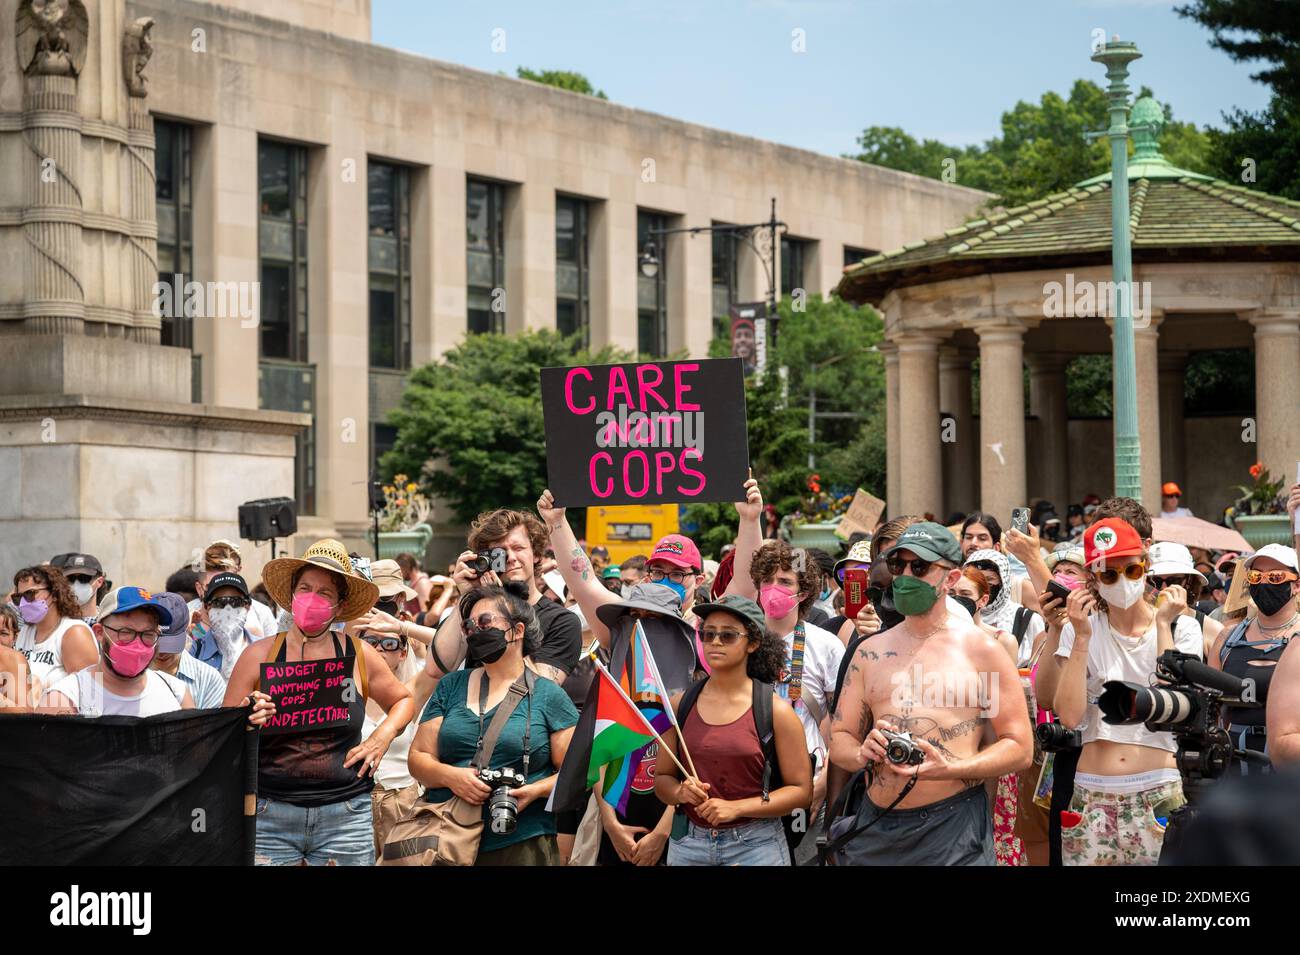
339 833
760 842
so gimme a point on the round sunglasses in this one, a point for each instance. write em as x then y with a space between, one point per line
1131 572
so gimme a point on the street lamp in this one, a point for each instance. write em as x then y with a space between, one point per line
762 239
1116 56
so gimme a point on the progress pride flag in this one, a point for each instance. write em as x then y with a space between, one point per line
646 433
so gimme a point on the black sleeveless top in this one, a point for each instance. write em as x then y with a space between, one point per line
306 769
1236 659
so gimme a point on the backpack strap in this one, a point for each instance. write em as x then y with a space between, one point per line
687 703
361 665
1021 623
1235 636
1200 619
762 710
277 644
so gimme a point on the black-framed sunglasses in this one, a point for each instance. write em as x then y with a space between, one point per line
30 595
383 643
79 579
919 567
227 603
1160 583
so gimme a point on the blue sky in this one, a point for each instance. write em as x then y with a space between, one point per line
944 69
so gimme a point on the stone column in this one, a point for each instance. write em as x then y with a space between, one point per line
613 270
438 237
530 251
1277 370
142 251
689 284
1173 450
1050 461
921 474
959 437
893 463
1002 419
1146 342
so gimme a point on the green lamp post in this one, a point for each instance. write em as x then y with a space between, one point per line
1116 56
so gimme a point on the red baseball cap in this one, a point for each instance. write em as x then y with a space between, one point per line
1110 537
678 550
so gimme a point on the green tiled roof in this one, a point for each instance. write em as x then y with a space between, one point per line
1173 216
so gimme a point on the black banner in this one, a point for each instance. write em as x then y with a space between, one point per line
659 432
163 790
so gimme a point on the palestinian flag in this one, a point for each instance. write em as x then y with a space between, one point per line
620 727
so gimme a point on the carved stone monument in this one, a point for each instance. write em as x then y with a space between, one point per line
101 449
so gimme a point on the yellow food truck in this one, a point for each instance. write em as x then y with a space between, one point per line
628 530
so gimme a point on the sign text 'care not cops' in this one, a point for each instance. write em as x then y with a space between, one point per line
646 433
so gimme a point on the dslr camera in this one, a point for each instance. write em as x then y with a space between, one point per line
1057 738
902 750
485 560
503 808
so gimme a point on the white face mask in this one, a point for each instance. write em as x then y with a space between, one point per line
83 591
1123 593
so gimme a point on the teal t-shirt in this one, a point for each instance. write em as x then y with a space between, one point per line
457 737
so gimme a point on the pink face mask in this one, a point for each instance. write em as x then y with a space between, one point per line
777 601
312 613
1068 582
129 659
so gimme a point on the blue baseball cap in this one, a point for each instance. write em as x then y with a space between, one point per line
126 599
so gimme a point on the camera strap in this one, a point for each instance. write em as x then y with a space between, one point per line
841 841
520 689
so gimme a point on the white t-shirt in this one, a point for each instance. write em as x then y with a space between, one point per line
162 693
956 609
822 652
1112 657
393 772
46 658
1177 512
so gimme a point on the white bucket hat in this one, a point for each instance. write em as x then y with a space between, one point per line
1167 559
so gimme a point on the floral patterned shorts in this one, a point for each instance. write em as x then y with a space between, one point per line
1119 828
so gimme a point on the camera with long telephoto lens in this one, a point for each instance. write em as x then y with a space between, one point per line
1187 703
901 749
485 560
1057 738
503 808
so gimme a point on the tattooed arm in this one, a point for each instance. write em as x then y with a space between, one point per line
572 563
852 718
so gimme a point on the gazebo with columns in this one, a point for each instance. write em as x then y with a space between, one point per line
1216 266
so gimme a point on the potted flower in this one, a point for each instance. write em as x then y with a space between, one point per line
402 519
813 525
1260 512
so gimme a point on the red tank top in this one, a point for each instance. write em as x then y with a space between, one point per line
729 758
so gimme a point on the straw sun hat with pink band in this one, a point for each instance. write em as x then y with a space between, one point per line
329 555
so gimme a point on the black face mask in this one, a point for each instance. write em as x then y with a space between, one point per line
1270 598
883 600
994 591
965 602
486 646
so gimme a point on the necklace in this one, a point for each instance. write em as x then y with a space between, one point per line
1283 626
928 633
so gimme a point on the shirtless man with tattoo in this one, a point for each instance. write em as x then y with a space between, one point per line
945 682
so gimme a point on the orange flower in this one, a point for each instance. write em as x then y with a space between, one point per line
1256 469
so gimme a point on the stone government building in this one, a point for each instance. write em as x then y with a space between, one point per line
383 202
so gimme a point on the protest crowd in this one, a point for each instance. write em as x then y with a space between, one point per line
932 696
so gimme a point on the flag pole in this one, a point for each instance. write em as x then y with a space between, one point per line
639 632
653 732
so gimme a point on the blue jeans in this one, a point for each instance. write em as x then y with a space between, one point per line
340 833
760 842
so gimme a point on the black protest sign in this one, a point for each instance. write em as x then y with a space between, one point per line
656 432
308 695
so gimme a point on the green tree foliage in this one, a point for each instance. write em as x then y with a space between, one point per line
564 79
1266 142
470 424
1041 150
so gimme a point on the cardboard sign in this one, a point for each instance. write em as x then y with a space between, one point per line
1238 593
308 694
862 516
646 433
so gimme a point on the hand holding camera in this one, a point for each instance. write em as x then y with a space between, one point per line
467 785
479 569
503 801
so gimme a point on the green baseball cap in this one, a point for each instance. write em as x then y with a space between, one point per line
931 541
611 572
742 608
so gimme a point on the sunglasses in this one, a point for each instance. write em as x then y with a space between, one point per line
1131 572
1160 583
725 638
1270 576
80 580
30 595
483 622
227 603
919 567
383 643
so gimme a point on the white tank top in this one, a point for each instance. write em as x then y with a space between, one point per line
162 693
46 658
